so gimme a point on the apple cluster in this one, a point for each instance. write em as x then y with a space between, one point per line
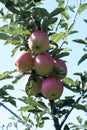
49 72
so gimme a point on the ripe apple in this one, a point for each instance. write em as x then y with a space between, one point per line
43 64
38 42
60 69
24 61
52 88
33 87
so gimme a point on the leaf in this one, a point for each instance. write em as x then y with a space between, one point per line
40 12
5 75
27 108
85 20
63 54
11 8
17 78
80 107
8 87
14 50
56 12
79 119
68 81
11 100
42 105
47 21
72 32
57 37
3 93
82 8
45 118
66 127
84 57
4 36
70 27
80 41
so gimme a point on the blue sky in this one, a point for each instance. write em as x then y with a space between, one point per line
7 63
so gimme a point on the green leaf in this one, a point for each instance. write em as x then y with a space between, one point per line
4 36
27 108
63 54
80 41
85 20
11 8
5 75
14 50
17 78
84 57
57 37
42 105
40 12
68 81
82 8
79 119
11 100
48 21
80 107
56 12
85 123
3 93
8 87
66 127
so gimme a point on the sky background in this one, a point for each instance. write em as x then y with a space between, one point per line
7 63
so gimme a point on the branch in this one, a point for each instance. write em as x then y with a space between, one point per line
53 112
19 118
66 116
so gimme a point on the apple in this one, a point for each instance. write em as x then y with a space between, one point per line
38 42
24 61
36 87
60 69
33 87
43 64
52 88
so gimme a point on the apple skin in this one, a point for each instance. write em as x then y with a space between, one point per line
43 64
24 61
34 88
52 88
60 69
38 42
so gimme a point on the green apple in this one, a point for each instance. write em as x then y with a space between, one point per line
33 87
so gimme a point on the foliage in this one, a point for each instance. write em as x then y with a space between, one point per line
21 19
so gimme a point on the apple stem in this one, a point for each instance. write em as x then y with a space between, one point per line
53 113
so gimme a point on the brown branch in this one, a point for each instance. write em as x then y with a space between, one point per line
53 113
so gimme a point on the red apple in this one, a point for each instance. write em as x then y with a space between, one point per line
24 61
43 64
52 88
38 42
60 69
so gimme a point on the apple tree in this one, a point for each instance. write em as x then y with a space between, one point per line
40 40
